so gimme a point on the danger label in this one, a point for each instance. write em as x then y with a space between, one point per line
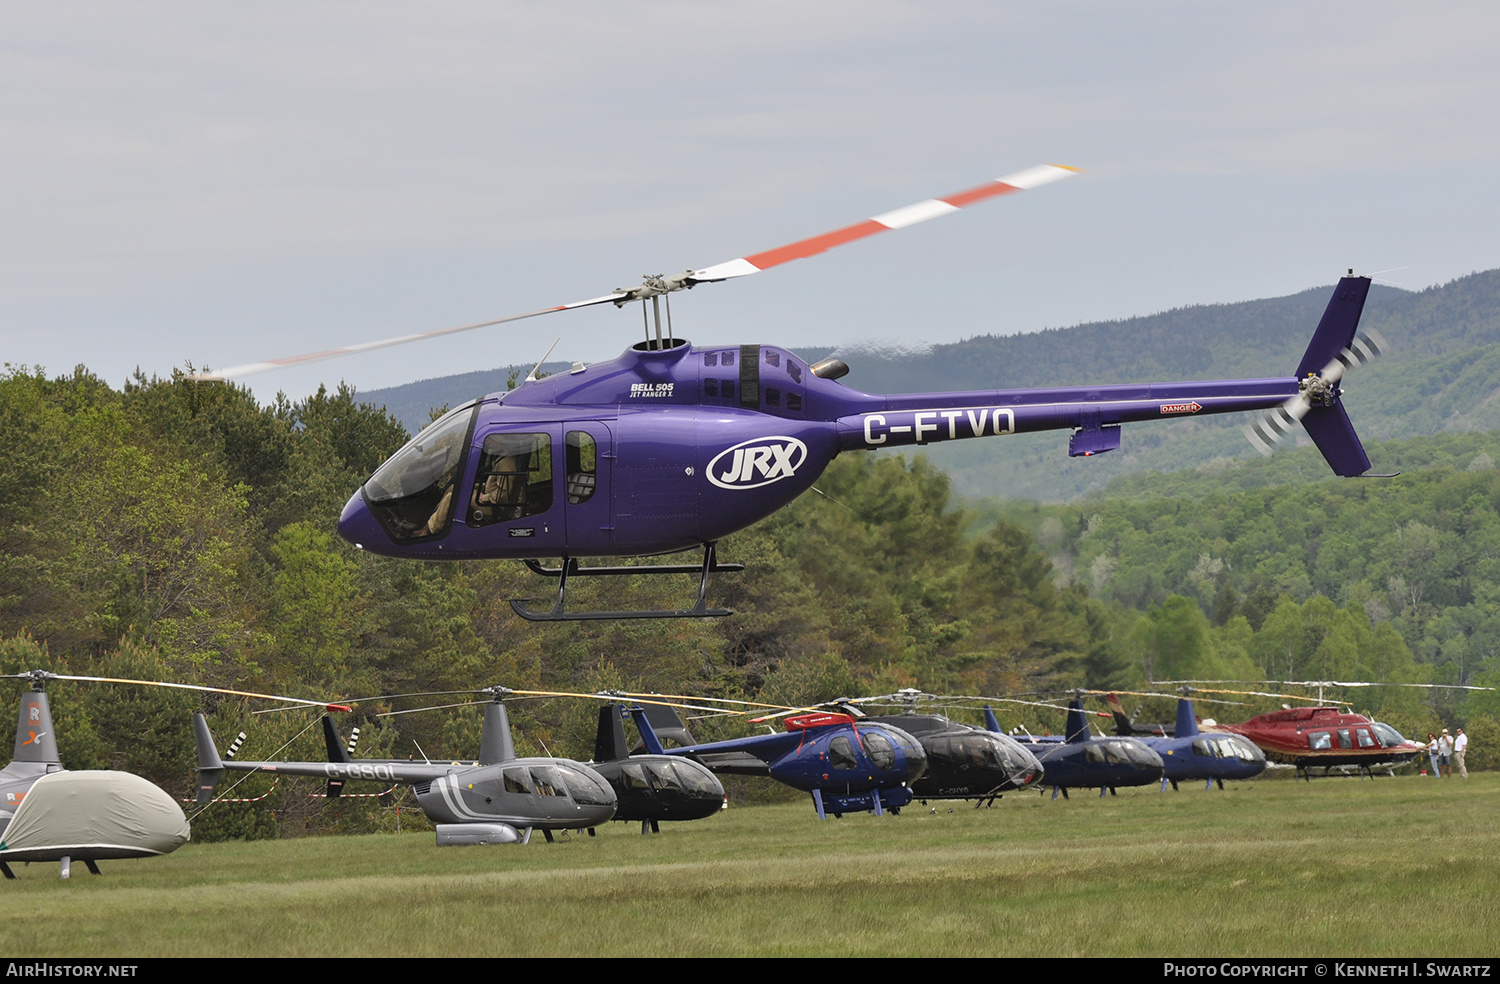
1180 408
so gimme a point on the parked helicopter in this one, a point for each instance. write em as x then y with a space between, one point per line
845 765
668 448
1077 759
963 762
1189 755
1321 737
1324 737
655 786
84 815
496 799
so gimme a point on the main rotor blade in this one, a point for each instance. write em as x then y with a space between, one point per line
900 218
187 686
251 368
743 266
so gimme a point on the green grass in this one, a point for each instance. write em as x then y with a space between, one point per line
1403 866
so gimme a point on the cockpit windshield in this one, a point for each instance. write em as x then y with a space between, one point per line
412 493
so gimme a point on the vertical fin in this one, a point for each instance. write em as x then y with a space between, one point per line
648 734
1078 725
609 740
1123 725
334 742
210 766
1331 430
991 723
495 745
1187 720
668 725
1336 330
35 739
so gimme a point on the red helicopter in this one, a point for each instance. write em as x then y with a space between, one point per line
1324 737
1321 737
668 448
1328 736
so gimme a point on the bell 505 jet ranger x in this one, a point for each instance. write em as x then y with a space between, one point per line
670 448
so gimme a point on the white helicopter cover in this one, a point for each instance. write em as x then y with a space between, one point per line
93 816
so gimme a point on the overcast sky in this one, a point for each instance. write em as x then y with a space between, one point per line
222 183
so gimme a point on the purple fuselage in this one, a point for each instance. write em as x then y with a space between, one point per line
665 450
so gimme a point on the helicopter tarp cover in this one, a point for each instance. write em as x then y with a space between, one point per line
93 815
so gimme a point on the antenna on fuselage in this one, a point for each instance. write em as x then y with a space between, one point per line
531 376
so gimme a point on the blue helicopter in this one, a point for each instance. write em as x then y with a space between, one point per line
670 448
847 766
1076 759
1189 754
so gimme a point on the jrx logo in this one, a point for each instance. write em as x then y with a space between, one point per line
751 464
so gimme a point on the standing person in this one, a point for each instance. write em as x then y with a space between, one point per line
1445 754
1432 752
1460 746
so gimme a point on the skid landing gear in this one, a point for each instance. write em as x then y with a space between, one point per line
570 568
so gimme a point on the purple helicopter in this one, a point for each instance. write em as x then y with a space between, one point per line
670 448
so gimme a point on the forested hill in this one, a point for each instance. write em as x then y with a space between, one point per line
1443 374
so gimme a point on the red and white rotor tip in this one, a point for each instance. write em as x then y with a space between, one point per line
1032 177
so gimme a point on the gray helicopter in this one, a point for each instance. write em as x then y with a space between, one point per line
495 799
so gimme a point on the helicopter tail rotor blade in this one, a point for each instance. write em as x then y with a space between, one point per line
899 218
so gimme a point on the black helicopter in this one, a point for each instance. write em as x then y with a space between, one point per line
668 448
964 762
653 786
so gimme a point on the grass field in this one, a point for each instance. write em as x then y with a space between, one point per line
1341 867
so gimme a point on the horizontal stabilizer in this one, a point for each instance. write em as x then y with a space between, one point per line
1094 441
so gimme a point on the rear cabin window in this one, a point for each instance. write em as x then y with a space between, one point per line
514 479
583 467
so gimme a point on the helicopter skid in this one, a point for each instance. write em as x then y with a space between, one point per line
518 605
576 571
570 568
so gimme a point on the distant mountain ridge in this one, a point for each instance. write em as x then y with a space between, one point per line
1442 375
